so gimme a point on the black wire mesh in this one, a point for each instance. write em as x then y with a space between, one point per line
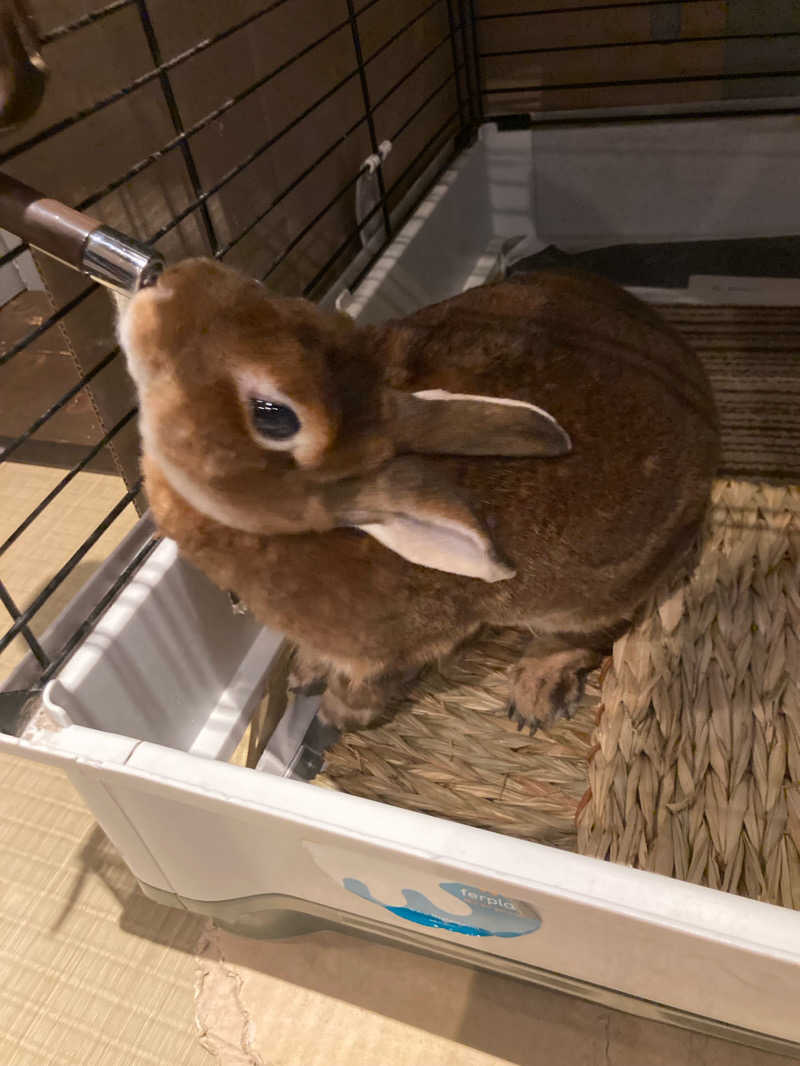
545 60
427 55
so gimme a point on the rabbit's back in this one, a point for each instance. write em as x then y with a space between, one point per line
619 511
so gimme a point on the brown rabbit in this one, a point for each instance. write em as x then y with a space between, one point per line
379 493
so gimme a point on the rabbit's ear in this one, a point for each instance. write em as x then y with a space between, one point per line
437 422
413 509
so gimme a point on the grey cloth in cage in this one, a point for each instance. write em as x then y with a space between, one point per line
751 356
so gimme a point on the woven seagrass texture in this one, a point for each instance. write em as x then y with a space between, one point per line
451 751
697 768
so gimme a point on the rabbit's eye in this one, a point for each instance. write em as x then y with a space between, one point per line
275 421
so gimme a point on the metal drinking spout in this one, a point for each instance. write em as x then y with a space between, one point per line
109 257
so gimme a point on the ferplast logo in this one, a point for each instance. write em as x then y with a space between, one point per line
491 913
485 900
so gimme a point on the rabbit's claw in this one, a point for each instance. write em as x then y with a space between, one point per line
548 688
520 720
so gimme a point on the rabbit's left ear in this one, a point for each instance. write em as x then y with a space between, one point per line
437 422
413 509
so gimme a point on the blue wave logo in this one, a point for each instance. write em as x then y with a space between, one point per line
491 914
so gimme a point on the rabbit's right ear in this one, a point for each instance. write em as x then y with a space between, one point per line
437 422
413 509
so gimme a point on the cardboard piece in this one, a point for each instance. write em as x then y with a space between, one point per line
328 999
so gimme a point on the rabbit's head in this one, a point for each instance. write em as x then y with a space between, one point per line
272 416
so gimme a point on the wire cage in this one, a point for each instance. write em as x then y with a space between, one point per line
243 140
241 132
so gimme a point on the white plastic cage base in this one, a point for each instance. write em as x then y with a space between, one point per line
145 713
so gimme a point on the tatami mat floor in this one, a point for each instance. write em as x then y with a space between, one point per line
76 985
51 539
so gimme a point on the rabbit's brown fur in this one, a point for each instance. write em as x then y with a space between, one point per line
590 533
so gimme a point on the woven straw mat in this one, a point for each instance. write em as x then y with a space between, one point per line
697 773
688 740
450 750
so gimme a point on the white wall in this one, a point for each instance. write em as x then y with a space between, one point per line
666 181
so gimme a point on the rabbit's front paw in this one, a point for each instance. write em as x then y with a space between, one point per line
548 687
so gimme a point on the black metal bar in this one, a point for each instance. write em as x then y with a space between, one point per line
432 140
217 113
411 70
309 288
367 6
582 117
639 44
289 248
473 89
78 116
373 139
688 78
472 75
110 187
331 148
58 578
84 20
196 127
137 83
56 407
382 204
454 56
298 237
62 484
183 136
290 188
12 254
136 169
399 33
475 56
406 215
417 110
586 7
50 321
177 120
99 608
243 164
200 201
9 604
